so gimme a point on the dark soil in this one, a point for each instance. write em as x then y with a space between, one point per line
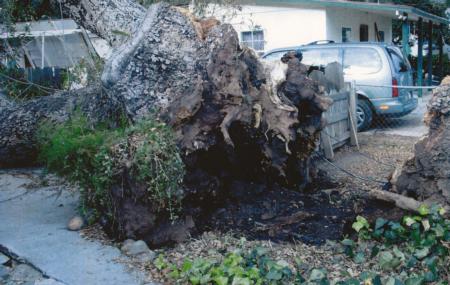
325 211
286 215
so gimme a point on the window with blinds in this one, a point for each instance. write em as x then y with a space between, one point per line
253 39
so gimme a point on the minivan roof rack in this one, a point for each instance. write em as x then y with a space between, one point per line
322 42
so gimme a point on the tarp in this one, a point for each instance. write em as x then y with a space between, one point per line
59 51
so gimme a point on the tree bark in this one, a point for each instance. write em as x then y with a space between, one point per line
20 121
426 176
113 20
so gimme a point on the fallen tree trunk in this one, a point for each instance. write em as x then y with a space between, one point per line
426 176
19 122
236 124
114 20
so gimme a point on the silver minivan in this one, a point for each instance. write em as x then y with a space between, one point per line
376 68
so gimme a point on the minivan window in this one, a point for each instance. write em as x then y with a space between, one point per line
320 57
361 61
398 60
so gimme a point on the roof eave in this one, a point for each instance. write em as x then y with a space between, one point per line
360 5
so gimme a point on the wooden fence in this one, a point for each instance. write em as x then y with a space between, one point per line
341 116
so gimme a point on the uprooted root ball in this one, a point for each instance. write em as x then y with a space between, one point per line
105 163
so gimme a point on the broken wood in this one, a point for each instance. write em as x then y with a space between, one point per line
280 222
402 202
352 115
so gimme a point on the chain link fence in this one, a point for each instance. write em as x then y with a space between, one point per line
385 144
400 114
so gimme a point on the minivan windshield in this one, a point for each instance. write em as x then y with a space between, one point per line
358 60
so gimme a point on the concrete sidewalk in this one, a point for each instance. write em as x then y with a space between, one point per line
33 227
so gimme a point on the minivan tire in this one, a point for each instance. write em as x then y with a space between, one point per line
364 115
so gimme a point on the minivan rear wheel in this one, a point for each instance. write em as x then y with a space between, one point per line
364 115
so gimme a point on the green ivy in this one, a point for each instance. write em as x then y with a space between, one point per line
413 251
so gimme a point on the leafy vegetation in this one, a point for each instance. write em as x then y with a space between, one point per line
412 251
26 10
96 157
435 61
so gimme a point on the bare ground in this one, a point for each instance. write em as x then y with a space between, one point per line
378 156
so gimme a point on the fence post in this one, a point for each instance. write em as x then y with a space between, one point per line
420 57
352 115
326 145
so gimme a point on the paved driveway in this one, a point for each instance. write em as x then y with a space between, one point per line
411 125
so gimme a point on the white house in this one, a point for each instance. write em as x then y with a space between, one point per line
266 25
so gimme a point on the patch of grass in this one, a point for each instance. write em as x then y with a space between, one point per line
96 158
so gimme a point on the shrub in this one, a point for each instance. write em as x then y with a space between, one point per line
435 60
96 158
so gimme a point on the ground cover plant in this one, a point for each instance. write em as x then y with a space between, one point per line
412 251
95 157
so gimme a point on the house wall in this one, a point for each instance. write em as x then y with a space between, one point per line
338 18
287 26
282 26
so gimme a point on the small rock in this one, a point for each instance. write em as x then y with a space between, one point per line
76 223
127 243
24 273
135 248
146 256
3 258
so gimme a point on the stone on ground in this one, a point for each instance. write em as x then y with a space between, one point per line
139 250
76 223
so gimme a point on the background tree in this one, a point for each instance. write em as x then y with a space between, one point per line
13 11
